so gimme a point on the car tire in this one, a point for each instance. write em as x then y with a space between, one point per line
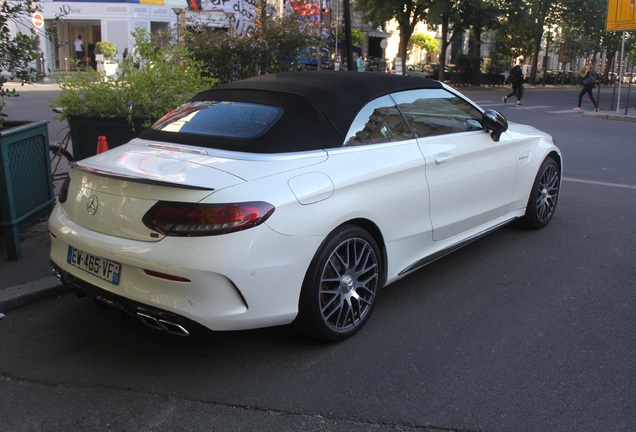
341 285
544 195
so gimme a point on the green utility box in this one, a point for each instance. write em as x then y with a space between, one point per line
26 185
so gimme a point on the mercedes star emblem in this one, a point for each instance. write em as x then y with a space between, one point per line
92 205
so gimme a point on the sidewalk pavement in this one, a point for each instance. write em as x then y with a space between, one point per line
30 279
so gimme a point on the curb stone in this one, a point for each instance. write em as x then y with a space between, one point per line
22 295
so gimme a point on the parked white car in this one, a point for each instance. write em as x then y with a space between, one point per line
294 198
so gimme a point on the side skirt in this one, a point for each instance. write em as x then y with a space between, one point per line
452 248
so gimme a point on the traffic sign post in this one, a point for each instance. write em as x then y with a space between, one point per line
621 16
38 20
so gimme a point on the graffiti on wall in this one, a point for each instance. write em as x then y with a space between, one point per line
241 14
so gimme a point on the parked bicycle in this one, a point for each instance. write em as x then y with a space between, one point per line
61 158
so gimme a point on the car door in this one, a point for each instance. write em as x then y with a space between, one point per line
471 178
380 175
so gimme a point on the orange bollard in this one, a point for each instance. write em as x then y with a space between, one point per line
102 144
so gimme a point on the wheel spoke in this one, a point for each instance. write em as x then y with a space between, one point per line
336 264
329 310
343 317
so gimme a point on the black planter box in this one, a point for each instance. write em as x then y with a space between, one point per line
86 130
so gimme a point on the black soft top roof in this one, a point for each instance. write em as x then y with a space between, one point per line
318 108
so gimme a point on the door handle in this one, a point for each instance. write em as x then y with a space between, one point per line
443 159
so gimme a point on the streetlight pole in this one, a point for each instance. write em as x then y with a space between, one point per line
178 11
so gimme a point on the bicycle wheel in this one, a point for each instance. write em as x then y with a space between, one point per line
60 161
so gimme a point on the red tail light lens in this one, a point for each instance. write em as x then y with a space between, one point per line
195 220
166 276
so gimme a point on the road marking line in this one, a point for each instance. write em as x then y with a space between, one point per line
530 107
599 183
513 105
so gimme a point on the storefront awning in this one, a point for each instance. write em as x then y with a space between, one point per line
378 34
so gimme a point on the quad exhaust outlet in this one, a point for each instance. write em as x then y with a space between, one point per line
155 322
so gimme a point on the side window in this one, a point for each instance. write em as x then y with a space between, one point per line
433 112
378 122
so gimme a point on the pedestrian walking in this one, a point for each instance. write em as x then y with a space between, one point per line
79 49
515 77
361 63
589 82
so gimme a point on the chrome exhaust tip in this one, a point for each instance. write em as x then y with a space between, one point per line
57 273
174 328
149 321
164 325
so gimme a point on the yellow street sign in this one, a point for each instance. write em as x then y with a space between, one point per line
621 15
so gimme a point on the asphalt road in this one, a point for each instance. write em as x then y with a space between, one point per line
520 331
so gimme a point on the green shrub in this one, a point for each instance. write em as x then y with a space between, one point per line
157 78
108 49
468 63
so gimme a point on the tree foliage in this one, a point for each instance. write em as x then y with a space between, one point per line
274 47
424 42
17 52
584 34
356 35
519 27
453 17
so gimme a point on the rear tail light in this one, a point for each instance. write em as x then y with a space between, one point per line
193 220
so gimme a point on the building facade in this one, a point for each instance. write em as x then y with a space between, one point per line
115 20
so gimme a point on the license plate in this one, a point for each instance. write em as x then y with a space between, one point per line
100 267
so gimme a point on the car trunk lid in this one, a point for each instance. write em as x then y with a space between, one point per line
111 192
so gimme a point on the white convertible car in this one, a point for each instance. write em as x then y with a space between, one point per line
293 198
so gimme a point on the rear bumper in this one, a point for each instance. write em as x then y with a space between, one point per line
250 280
157 318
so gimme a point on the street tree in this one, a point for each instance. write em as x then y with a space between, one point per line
446 14
511 41
480 16
456 16
476 16
277 47
424 42
406 13
585 33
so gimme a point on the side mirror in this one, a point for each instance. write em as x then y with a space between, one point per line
495 122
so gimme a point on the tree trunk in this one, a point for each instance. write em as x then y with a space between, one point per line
535 56
441 65
404 42
348 38
477 39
